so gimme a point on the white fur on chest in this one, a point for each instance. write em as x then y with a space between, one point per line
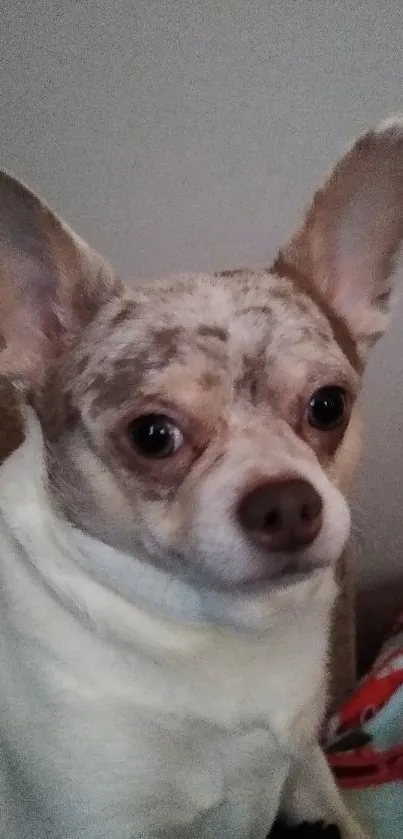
120 723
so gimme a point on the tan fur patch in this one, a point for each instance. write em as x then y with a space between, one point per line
340 329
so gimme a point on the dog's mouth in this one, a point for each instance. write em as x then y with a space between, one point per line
289 571
291 574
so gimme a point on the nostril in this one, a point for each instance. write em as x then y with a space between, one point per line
311 504
273 521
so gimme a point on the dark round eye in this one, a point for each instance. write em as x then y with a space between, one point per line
155 436
326 408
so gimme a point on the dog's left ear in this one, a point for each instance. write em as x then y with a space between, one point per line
350 237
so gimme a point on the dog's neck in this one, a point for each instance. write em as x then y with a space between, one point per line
102 583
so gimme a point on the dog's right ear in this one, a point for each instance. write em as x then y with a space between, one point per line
347 245
51 284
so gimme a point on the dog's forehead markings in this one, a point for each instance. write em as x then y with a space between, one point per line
264 309
251 380
210 302
248 331
166 340
211 331
218 316
231 272
126 311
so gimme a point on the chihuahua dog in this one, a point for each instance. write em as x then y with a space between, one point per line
172 518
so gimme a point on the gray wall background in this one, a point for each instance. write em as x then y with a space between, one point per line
189 135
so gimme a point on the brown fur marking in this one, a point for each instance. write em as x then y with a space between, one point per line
12 433
218 332
230 272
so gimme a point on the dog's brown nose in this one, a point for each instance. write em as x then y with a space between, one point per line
283 515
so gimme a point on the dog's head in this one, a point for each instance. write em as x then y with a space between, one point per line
207 424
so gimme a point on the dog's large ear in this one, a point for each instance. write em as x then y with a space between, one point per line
51 283
350 237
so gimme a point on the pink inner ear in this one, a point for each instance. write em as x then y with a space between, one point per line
24 362
367 235
30 323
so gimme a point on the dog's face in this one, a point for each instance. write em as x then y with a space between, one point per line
207 417
208 425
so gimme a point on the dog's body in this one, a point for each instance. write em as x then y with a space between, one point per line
132 726
170 524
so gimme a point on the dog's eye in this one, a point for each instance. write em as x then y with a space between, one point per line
154 436
326 408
